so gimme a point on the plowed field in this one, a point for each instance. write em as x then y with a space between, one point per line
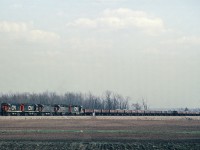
94 133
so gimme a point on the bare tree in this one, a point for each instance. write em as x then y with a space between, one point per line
108 99
144 104
136 106
186 109
125 103
115 101
120 100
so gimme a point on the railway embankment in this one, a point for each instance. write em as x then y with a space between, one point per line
102 117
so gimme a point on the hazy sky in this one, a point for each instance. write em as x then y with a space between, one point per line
137 48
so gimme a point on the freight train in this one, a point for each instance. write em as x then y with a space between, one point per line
67 110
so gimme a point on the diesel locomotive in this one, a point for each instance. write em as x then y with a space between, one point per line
39 110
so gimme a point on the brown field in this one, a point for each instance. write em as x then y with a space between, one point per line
94 133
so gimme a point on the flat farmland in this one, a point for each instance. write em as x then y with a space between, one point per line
99 133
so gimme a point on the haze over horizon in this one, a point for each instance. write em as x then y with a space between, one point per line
142 49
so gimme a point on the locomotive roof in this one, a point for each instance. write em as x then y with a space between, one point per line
64 105
30 104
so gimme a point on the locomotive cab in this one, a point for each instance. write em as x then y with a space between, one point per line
4 108
40 107
57 110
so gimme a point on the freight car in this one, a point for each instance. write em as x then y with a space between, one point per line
118 112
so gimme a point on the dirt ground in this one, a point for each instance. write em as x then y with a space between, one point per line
99 134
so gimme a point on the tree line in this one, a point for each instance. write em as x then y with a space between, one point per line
108 100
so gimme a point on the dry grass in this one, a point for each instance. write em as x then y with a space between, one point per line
101 117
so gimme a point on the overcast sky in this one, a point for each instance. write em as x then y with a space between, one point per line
138 48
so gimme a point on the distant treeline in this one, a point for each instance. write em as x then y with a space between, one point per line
108 100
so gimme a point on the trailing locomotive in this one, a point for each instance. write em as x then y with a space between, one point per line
66 110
